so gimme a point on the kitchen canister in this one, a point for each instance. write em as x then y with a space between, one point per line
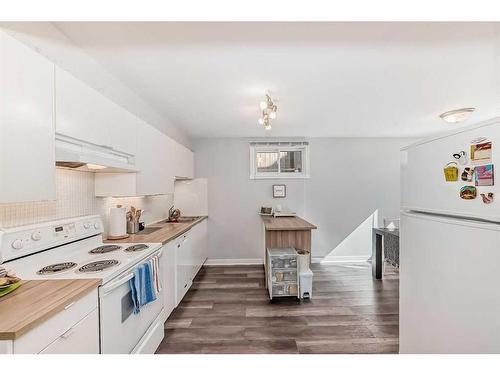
451 172
117 223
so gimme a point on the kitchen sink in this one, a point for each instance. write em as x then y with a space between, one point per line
185 219
149 230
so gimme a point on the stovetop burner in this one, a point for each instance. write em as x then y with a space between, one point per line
104 249
98 266
55 268
137 247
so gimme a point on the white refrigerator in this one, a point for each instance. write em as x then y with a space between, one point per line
450 246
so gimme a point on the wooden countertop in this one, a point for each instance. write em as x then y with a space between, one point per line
286 223
166 232
35 301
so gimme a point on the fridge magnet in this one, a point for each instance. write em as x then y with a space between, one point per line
467 174
279 191
480 152
484 175
468 192
478 140
461 157
451 172
487 197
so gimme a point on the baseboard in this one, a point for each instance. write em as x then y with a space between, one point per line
231 262
342 259
250 261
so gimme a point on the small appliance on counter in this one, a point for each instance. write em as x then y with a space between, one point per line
117 223
280 211
266 211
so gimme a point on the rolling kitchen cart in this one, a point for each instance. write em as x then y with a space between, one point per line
282 273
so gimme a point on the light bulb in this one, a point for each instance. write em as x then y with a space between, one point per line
272 115
261 121
95 166
268 127
263 105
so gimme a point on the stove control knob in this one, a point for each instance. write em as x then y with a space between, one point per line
97 226
36 236
17 244
86 225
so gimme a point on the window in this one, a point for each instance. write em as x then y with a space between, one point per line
279 160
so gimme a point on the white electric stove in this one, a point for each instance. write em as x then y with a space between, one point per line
74 249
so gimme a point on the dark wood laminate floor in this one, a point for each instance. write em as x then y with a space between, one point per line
227 310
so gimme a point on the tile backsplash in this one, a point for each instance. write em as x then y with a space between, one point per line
75 197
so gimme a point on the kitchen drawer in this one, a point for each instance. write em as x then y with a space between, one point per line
285 289
41 336
280 275
283 262
82 338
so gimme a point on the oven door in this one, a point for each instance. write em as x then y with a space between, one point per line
121 330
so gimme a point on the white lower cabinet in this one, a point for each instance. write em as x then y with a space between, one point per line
82 338
183 255
74 330
169 278
190 254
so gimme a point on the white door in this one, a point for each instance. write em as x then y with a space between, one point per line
27 150
423 184
449 278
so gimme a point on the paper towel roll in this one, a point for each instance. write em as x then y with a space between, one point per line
117 222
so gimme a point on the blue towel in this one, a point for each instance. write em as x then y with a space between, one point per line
142 287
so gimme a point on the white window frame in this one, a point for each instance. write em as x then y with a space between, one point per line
278 147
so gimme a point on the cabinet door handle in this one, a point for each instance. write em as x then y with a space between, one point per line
69 305
68 333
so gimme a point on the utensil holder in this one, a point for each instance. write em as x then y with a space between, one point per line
132 227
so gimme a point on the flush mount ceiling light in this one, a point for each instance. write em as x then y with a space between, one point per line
457 115
269 110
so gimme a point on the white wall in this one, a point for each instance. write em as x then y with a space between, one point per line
352 182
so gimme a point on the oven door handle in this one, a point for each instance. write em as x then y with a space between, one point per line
112 286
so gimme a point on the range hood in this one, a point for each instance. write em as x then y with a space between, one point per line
80 155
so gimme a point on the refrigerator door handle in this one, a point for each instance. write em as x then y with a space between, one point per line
464 221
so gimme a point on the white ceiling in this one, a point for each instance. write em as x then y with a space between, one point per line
331 79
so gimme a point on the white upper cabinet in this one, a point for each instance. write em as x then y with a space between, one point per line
184 161
153 160
27 162
85 114
155 164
